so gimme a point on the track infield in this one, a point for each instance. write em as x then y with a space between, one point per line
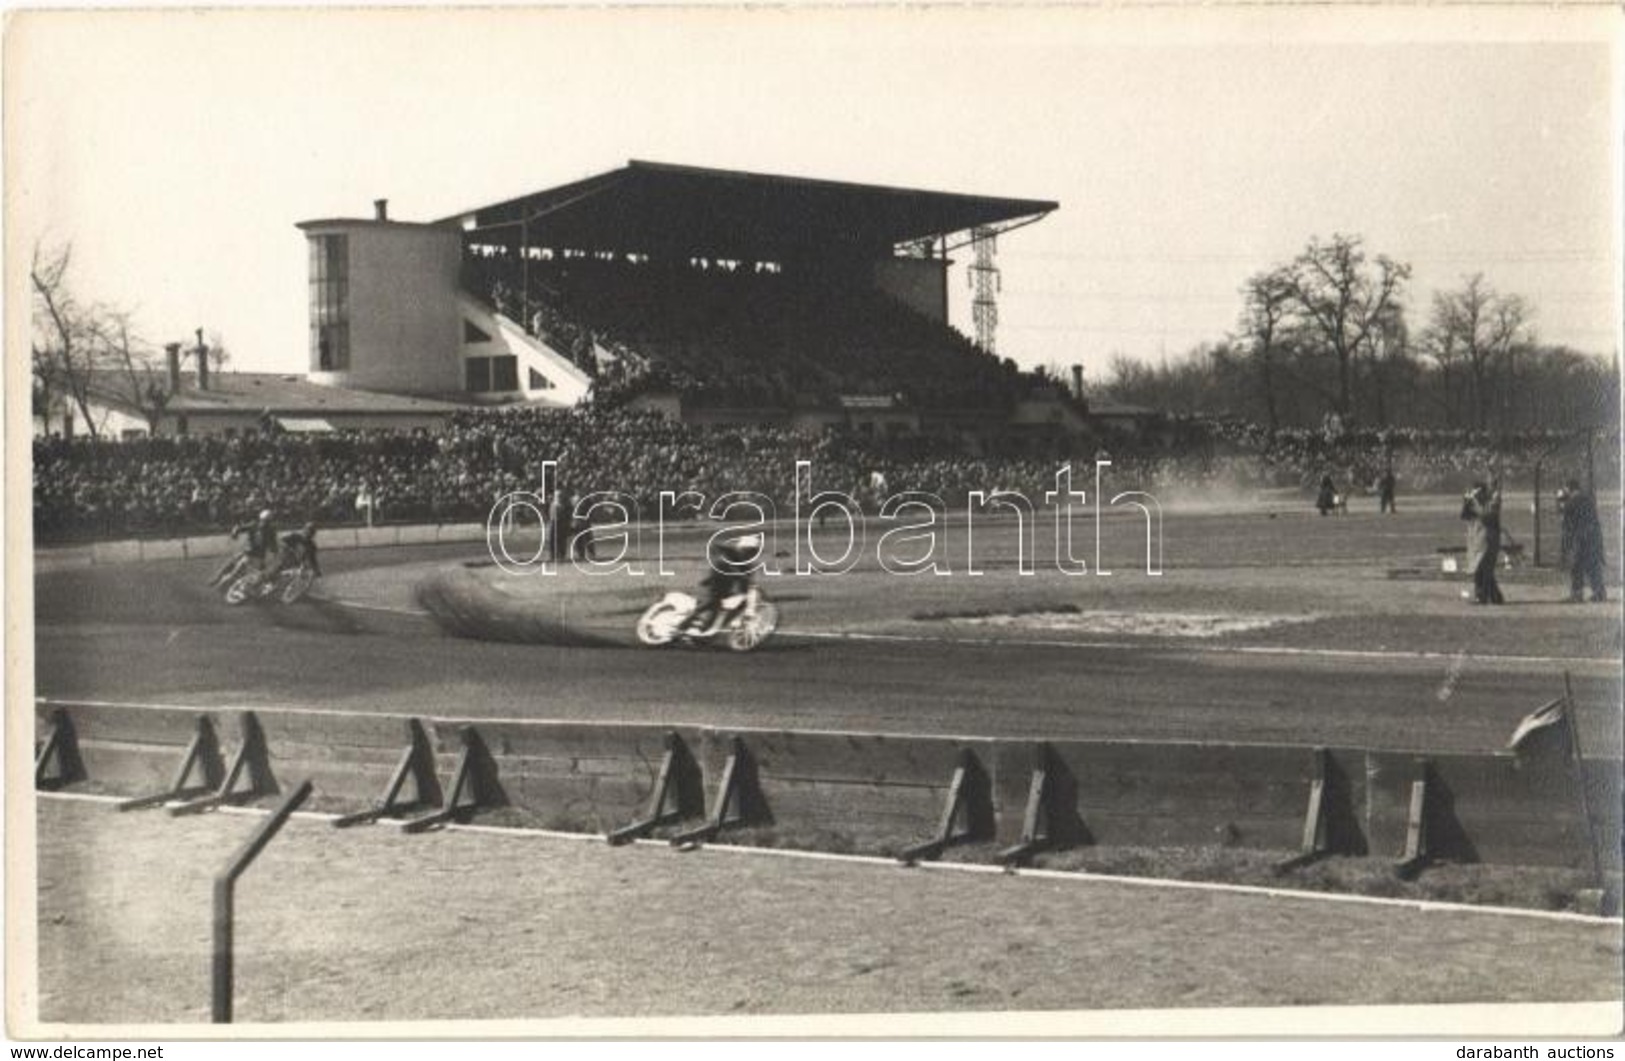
374 925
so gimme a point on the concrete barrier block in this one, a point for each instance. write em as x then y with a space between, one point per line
338 538
116 552
858 758
598 804
329 730
212 546
131 770
564 741
59 557
1163 793
1486 808
135 751
366 537
460 532
118 724
870 819
566 775
164 549
348 758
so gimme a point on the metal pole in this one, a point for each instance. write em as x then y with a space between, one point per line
225 883
1580 778
221 981
1538 463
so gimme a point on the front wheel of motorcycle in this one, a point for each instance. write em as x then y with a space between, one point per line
298 586
237 592
752 630
660 623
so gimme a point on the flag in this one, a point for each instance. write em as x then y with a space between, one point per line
1540 727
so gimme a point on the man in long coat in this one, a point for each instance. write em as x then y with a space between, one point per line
1582 542
1482 509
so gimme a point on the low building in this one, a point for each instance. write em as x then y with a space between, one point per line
233 403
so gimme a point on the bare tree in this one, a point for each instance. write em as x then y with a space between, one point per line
46 399
1342 296
1266 304
216 350
85 353
1485 327
64 341
140 380
1439 344
1388 354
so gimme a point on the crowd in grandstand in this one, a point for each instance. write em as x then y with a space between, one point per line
167 485
737 337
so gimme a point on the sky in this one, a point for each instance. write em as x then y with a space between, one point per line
1188 149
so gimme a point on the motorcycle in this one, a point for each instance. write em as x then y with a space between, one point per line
288 585
743 622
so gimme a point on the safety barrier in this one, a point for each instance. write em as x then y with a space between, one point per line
138 550
909 796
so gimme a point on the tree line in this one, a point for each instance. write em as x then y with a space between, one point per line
87 356
1328 333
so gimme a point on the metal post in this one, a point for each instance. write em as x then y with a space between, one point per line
1538 463
1580 777
225 883
224 911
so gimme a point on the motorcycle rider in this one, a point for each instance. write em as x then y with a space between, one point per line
733 566
297 549
262 541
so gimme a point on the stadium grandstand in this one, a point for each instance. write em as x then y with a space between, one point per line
708 296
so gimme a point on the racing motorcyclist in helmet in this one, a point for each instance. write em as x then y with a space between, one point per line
298 549
260 544
733 565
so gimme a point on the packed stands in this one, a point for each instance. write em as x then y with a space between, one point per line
741 334
168 486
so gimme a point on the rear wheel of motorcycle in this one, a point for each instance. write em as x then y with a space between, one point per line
659 624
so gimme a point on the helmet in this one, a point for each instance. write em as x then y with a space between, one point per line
265 515
308 530
745 543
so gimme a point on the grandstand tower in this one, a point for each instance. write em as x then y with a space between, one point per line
712 295
984 281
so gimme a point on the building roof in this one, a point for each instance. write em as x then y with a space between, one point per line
1110 407
660 208
282 393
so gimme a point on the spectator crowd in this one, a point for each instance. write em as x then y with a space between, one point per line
187 485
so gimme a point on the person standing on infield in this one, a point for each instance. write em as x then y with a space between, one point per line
1482 509
1385 492
1582 542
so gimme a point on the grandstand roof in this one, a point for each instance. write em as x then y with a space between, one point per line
283 393
659 208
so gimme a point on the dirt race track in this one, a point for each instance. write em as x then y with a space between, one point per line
1354 655
1267 626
